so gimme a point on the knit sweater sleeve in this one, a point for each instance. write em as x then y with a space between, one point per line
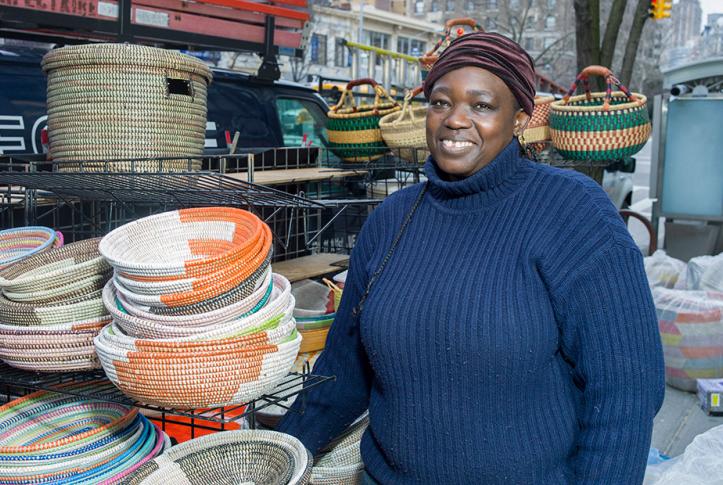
609 336
332 406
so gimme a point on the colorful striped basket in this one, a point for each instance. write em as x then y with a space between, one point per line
124 101
46 437
353 129
599 126
183 258
18 244
243 457
406 130
538 128
427 60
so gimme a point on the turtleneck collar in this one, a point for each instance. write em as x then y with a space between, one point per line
483 188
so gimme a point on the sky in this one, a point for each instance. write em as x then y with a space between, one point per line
710 6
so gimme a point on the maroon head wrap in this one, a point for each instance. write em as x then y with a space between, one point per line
494 53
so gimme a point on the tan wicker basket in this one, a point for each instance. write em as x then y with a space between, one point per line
125 102
538 129
406 131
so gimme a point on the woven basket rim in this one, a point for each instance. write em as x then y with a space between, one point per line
561 106
366 111
398 120
123 54
542 99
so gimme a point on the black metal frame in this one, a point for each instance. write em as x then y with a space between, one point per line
17 383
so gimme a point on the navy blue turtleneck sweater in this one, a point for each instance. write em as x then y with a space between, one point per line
511 339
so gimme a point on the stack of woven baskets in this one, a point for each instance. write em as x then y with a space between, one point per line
199 319
246 457
312 313
51 308
47 437
18 244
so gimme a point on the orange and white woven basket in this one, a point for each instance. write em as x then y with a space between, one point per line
538 129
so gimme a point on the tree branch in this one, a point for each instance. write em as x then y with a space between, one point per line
631 49
548 48
612 29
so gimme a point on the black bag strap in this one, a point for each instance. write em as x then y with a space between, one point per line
356 312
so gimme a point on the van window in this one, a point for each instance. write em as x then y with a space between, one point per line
234 108
302 122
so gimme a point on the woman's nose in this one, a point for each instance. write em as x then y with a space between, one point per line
457 119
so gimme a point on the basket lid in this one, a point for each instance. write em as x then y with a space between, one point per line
123 54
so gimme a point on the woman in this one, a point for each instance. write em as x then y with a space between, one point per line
496 321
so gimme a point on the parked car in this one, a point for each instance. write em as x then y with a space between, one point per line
265 114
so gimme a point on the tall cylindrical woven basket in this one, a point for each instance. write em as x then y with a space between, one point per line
125 102
599 126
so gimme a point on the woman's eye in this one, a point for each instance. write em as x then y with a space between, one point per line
482 106
438 102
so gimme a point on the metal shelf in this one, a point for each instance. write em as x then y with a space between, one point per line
113 181
19 382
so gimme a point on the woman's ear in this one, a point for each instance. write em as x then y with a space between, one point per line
521 121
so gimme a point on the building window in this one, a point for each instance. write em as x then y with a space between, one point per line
378 39
490 24
469 6
412 47
548 42
419 7
529 44
530 23
551 4
514 4
450 5
435 6
318 49
341 54
550 23
491 3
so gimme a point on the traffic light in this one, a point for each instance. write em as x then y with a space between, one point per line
659 9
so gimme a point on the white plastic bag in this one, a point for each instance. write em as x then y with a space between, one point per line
712 276
662 270
691 329
700 464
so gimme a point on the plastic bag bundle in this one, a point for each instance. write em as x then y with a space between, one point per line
700 464
705 273
691 329
663 270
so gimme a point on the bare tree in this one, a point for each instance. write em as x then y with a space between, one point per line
587 35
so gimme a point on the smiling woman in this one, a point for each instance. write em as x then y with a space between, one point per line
496 321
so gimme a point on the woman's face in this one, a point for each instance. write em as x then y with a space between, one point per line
472 116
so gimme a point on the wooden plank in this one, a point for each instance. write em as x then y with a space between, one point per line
259 7
296 175
310 266
220 12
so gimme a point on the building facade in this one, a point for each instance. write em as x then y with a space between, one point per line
687 16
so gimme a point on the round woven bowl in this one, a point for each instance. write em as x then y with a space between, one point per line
59 275
406 133
342 464
538 129
245 456
122 101
186 257
51 348
18 244
262 307
49 437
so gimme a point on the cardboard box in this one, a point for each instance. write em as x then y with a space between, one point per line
710 393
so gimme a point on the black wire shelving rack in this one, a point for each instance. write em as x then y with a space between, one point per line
16 383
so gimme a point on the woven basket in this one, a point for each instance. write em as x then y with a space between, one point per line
185 257
538 129
342 464
337 293
47 437
599 126
123 101
243 457
427 60
21 243
313 339
354 134
406 130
